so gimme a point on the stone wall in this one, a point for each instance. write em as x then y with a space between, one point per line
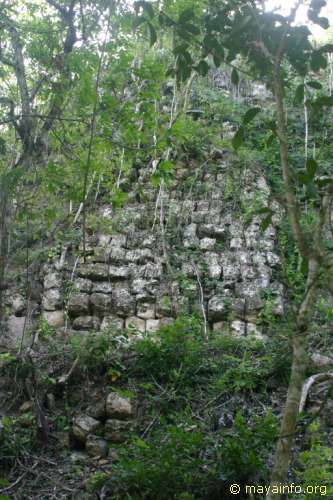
195 245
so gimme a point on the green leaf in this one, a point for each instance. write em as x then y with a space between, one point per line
238 138
234 77
138 21
314 84
304 266
217 59
266 222
318 61
152 34
311 168
119 198
202 68
323 101
270 140
191 28
250 115
299 94
186 16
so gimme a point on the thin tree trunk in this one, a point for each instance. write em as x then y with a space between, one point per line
285 442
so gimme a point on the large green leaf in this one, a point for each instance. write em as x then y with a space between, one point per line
250 115
238 138
234 77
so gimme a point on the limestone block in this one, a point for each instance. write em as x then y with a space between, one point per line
18 304
86 323
135 323
253 330
237 328
84 425
95 272
272 259
207 243
52 299
212 231
54 318
118 406
123 303
83 285
52 280
112 323
116 430
118 273
103 240
220 326
101 303
217 308
163 306
117 255
213 264
78 304
236 243
190 237
166 321
102 287
139 256
118 240
146 310
321 361
152 325
150 271
96 446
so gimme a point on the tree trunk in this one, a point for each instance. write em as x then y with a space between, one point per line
286 438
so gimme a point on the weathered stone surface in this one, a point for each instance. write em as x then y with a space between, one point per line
150 271
96 446
220 326
78 304
207 243
218 308
15 326
52 280
95 272
52 299
163 306
320 360
97 409
100 303
236 243
118 240
136 323
212 231
123 303
116 430
18 305
152 325
113 323
83 285
214 267
253 330
118 406
139 256
84 425
86 323
54 318
146 310
102 287
237 328
190 237
118 273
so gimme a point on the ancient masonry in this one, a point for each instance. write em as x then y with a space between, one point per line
194 241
